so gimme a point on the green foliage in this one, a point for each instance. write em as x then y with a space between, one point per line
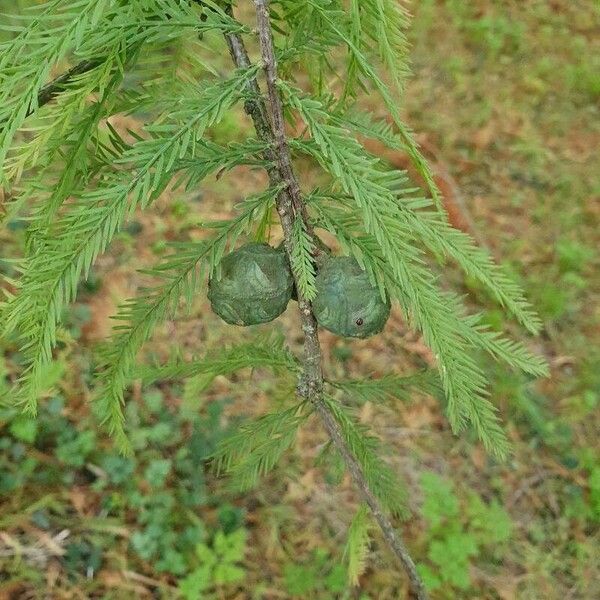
268 352
389 387
370 209
315 579
594 487
302 260
457 534
24 428
179 273
438 316
587 506
573 255
66 150
219 564
382 480
156 493
257 447
71 248
357 545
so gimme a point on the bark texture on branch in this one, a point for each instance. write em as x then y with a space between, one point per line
290 205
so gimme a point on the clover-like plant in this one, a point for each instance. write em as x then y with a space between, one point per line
78 180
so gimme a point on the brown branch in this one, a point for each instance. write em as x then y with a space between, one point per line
290 205
57 85
270 126
288 201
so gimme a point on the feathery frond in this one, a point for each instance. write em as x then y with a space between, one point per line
435 313
256 447
357 545
70 249
268 352
382 480
180 274
26 60
367 70
302 260
100 33
338 216
389 387
382 24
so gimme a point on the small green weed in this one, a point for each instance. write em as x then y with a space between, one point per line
458 533
218 564
318 578
155 494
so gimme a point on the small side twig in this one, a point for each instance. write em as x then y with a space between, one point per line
358 476
57 85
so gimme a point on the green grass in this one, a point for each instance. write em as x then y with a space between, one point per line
517 129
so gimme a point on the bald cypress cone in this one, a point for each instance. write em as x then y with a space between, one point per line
347 303
254 285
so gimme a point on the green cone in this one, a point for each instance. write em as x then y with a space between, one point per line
347 303
255 285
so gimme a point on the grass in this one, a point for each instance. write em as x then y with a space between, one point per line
505 97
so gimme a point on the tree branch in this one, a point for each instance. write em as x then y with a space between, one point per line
50 90
290 204
54 87
358 476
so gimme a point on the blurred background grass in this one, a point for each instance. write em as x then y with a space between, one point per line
505 100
